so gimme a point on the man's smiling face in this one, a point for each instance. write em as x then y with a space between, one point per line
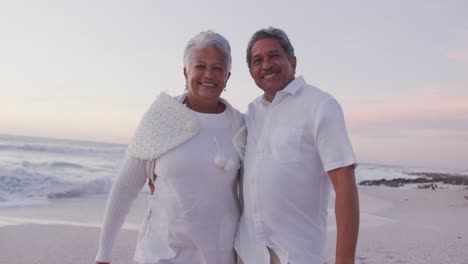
270 66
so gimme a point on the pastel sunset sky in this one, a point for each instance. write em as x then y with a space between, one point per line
89 69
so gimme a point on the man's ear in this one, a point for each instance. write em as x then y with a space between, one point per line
293 63
228 75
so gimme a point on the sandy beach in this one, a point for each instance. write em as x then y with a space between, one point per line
401 225
398 225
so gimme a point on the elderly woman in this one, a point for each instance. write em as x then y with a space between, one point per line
190 148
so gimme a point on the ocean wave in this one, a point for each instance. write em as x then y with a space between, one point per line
23 202
74 150
366 172
52 165
15 189
64 164
70 148
97 186
37 169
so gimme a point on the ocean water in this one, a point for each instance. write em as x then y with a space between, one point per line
39 170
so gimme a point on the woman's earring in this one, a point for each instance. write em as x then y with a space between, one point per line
224 89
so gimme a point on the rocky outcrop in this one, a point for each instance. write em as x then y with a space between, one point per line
426 181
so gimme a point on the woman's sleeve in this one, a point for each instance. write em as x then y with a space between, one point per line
125 189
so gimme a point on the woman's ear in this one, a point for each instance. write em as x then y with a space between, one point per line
185 74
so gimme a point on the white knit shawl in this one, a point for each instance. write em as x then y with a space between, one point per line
167 124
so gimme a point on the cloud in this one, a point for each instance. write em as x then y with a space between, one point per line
460 56
459 41
430 130
418 113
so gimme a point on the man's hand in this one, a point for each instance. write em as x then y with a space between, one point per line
347 213
151 186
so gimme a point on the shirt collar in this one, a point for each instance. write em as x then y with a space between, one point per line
292 88
294 85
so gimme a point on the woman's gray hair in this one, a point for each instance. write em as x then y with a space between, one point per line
208 39
272 33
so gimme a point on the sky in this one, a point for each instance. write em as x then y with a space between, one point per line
89 69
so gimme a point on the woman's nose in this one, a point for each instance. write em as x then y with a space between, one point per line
208 73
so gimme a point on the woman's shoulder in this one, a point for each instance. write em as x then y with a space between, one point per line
230 108
165 124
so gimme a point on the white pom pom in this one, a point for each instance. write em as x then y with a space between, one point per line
219 161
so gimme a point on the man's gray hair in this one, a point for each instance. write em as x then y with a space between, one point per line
208 39
272 33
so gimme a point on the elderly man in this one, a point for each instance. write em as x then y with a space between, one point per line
297 148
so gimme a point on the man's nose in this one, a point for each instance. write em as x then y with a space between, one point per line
266 65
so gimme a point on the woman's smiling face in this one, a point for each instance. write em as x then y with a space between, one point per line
206 75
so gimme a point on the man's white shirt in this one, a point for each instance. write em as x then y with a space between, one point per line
292 142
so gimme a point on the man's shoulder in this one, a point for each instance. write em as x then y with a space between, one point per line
254 104
257 100
314 93
303 88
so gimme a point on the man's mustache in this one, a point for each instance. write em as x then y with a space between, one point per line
268 72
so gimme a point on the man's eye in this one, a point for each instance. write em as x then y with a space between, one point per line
275 55
256 61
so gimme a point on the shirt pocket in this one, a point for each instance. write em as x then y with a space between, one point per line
286 144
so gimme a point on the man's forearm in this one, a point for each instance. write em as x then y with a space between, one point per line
347 221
